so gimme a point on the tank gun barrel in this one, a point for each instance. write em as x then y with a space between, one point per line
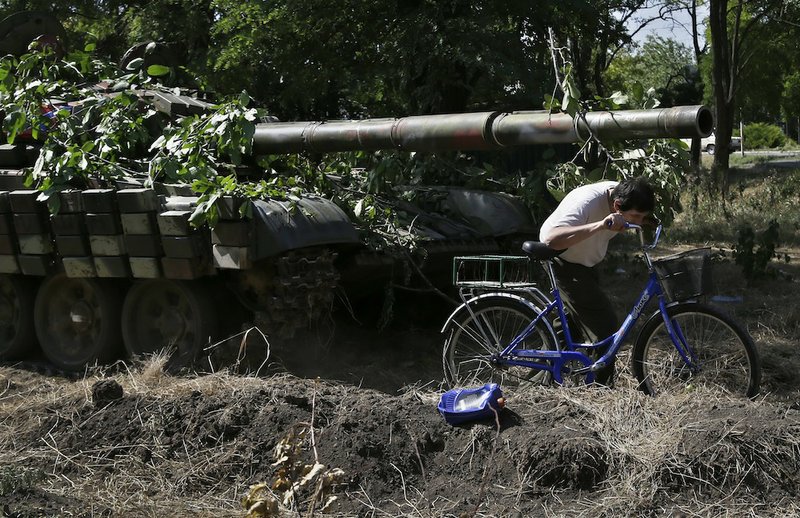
480 131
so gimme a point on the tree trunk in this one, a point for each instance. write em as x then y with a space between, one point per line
722 78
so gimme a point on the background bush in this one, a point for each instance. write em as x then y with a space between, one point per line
760 135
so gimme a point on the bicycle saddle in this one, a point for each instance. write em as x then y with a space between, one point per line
539 251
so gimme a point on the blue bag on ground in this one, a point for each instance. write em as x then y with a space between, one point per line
461 405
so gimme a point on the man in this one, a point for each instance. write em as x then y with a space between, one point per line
582 225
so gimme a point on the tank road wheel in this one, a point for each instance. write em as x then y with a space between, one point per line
166 314
77 321
17 333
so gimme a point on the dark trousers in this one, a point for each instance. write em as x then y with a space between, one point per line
589 308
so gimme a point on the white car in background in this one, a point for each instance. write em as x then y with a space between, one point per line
709 146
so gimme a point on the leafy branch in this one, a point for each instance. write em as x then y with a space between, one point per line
663 162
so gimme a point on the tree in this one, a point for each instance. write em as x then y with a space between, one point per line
333 58
595 32
734 25
790 104
660 63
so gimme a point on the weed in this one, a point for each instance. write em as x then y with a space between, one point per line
293 476
753 252
755 197
14 478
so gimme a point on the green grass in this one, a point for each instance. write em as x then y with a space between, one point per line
755 197
737 160
16 478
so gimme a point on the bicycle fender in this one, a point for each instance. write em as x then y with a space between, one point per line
464 307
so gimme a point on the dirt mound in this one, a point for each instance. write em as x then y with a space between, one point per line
193 447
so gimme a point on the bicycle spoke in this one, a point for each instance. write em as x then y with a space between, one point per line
481 342
721 354
482 334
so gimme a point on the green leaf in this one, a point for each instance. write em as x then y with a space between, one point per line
14 122
90 47
244 99
54 204
135 64
637 90
198 217
619 98
557 194
158 70
595 175
551 103
246 210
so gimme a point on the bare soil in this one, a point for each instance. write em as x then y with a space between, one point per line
130 440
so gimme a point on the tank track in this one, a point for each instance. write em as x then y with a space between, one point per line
301 294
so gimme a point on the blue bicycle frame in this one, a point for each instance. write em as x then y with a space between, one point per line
554 361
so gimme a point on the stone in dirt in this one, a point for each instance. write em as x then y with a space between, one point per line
106 391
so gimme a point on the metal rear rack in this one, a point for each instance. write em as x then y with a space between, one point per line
492 271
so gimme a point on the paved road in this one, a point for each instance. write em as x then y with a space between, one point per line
768 152
775 159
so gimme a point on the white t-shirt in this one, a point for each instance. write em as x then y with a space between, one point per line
586 204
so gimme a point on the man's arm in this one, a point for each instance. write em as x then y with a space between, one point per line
561 238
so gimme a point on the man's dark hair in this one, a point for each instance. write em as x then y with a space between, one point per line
634 194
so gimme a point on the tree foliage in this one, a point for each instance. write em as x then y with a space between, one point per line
341 58
663 64
743 33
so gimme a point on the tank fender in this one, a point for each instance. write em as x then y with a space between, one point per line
463 308
491 213
315 221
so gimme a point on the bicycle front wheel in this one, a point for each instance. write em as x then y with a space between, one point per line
473 337
722 353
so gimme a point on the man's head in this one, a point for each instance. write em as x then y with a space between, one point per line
634 199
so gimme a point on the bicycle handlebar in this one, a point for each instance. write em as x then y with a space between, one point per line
638 229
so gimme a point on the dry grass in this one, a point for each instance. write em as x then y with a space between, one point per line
641 437
697 453
656 464
646 443
136 488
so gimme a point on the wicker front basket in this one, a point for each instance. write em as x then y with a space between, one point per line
686 275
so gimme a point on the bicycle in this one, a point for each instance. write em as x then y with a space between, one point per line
503 331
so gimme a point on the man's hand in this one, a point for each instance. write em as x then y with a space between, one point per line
614 222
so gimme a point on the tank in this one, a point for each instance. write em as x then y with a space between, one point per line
120 271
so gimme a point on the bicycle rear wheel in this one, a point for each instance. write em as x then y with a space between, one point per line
472 338
723 353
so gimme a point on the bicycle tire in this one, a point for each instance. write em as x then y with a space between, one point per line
726 355
466 353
